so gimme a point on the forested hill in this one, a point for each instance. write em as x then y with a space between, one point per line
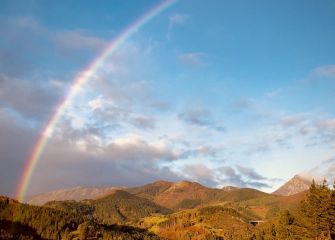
119 207
22 221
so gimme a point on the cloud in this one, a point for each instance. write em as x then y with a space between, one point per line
194 59
133 148
200 117
325 131
105 110
327 125
160 105
30 100
327 71
324 170
21 42
245 104
15 145
247 177
250 173
144 122
200 173
174 20
226 175
125 161
292 120
204 151
178 19
274 93
78 40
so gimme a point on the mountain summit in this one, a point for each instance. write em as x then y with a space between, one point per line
297 184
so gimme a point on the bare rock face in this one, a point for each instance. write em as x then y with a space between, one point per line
77 193
295 185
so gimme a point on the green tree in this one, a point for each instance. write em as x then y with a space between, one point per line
331 212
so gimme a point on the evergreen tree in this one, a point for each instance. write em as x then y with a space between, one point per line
314 212
331 212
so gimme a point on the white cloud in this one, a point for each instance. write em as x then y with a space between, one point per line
174 20
274 93
78 40
327 71
178 19
194 59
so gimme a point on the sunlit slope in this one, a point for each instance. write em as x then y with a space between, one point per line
211 222
268 206
185 194
295 185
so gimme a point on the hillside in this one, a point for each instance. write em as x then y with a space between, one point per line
211 222
77 194
151 190
118 207
23 221
121 207
185 194
295 185
268 206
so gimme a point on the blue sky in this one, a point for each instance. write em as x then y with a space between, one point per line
221 92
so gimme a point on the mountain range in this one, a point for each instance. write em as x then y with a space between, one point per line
174 195
159 210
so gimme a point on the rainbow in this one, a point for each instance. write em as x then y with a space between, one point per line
73 91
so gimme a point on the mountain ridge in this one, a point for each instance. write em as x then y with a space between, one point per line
172 195
76 193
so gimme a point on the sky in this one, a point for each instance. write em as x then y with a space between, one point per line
223 93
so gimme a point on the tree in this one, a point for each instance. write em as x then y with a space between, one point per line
331 212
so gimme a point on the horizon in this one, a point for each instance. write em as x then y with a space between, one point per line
303 176
223 94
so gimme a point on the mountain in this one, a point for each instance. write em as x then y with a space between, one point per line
171 195
185 194
77 194
151 190
297 184
117 207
